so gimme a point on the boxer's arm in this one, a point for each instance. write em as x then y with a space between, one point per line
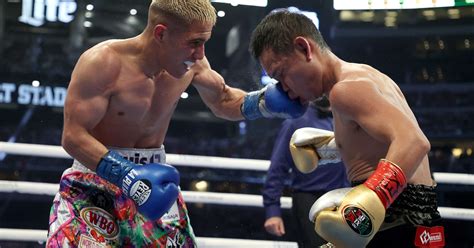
235 104
86 104
362 103
223 100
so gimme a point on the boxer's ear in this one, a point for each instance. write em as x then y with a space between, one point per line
159 31
302 45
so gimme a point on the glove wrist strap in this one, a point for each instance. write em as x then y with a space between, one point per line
251 106
388 181
112 167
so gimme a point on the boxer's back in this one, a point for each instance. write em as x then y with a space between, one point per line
359 150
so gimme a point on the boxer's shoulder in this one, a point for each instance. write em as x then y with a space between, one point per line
100 57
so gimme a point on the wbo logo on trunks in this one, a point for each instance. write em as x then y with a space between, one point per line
101 221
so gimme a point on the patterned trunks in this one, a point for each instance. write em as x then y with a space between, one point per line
416 205
91 212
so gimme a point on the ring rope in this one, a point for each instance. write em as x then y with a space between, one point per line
192 197
31 235
200 161
174 159
207 197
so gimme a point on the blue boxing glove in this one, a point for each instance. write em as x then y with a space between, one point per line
271 101
153 187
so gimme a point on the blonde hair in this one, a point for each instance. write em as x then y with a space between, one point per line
187 11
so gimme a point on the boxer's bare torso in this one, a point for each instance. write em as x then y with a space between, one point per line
121 95
359 150
140 106
127 108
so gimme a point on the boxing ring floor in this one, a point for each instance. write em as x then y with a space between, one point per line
213 198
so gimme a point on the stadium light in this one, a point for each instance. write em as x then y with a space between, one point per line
257 3
397 4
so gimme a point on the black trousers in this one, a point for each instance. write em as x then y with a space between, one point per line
305 234
400 236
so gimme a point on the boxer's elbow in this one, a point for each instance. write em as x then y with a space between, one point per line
70 140
67 141
422 144
425 145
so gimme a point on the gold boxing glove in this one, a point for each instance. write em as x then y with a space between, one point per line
350 217
311 147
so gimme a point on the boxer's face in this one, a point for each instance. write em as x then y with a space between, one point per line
184 46
296 74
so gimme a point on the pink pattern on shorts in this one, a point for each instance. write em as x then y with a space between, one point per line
91 212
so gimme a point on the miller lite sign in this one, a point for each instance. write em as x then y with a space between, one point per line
37 12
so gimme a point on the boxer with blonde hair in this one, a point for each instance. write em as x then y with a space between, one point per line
122 94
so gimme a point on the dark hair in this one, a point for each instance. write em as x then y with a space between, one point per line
278 30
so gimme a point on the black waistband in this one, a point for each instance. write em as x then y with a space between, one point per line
417 204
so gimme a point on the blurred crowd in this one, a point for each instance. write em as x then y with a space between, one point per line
437 80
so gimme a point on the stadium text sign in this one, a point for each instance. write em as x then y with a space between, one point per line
37 12
26 94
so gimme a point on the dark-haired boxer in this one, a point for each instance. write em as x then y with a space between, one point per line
375 133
